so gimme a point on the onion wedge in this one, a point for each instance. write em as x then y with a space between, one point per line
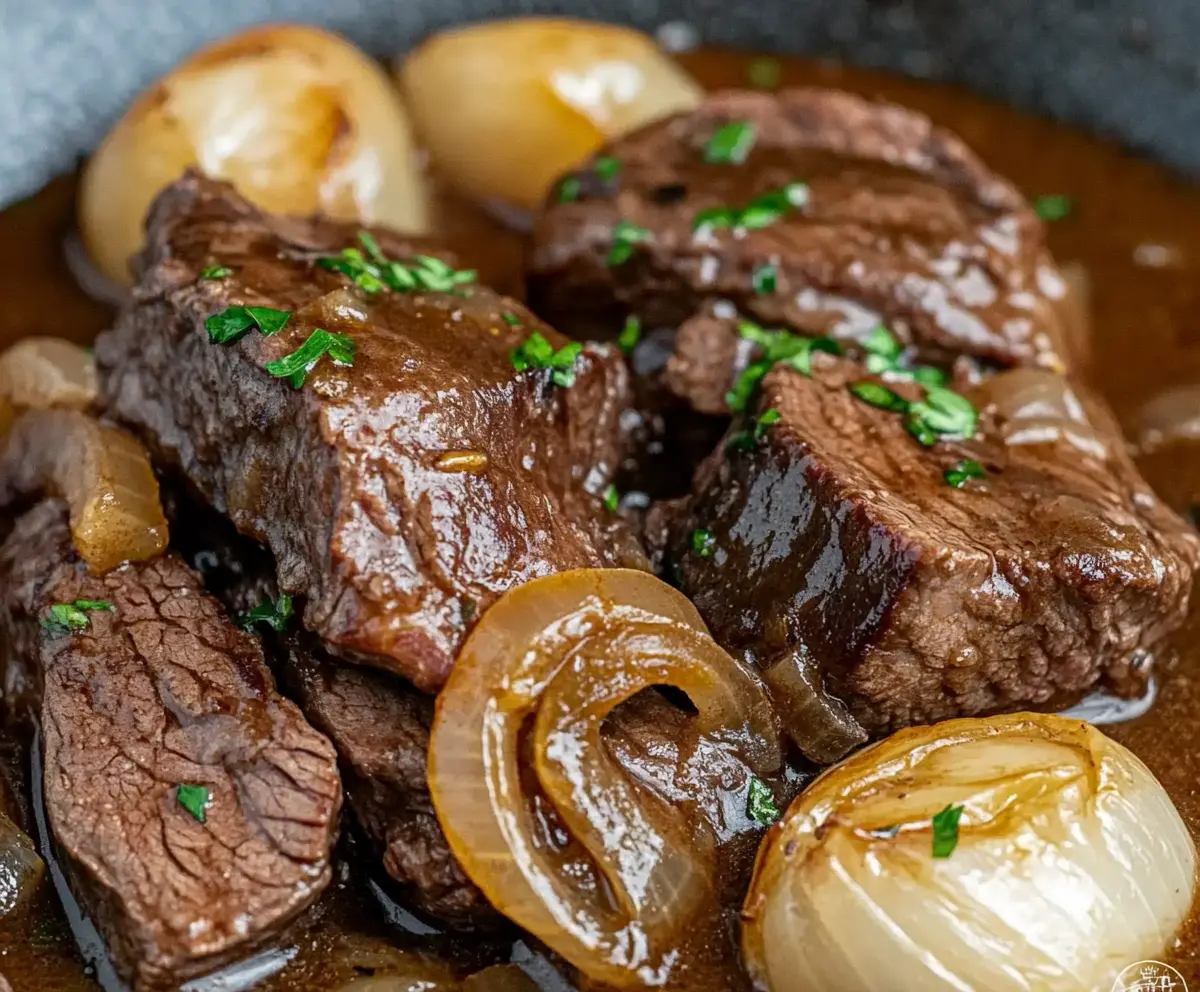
542 669
101 472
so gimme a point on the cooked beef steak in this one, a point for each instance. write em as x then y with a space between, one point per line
163 691
899 222
841 557
400 496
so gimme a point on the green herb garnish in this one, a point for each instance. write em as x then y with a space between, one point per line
630 335
883 343
538 353
216 272
611 499
731 144
232 322
626 236
569 189
607 167
193 798
1054 206
964 471
511 319
777 346
764 72
880 396
703 542
765 422
945 412
374 271
945 831
765 278
275 613
760 803
66 618
295 366
927 375
758 429
759 213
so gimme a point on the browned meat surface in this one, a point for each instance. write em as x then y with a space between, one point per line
163 691
898 222
357 481
841 558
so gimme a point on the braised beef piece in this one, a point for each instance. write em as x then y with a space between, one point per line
400 496
159 692
833 551
895 221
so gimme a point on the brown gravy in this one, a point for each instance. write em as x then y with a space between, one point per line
1135 229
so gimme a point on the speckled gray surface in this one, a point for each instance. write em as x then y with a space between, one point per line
1130 68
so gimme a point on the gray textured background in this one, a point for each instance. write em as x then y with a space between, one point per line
1129 68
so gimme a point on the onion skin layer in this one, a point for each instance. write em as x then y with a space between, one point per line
103 474
561 652
1071 863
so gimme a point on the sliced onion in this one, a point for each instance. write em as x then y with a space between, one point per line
1038 406
1171 416
297 118
507 106
40 373
819 724
102 473
559 654
1070 863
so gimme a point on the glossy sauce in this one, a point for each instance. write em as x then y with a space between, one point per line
1135 230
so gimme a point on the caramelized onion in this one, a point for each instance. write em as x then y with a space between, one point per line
554 658
1173 415
1037 406
40 373
819 724
102 473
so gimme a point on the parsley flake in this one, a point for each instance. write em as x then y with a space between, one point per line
746 439
538 353
295 366
1053 207
945 413
880 396
193 798
275 613
731 144
607 167
704 543
760 803
374 272
232 322
777 346
945 831
216 272
964 471
67 618
626 236
569 189
631 334
765 278
511 319
759 213
882 343
611 499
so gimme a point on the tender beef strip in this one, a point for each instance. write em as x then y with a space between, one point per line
901 223
399 496
842 560
163 691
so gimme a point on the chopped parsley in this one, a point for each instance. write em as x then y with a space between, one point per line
630 335
232 322
759 213
764 72
67 618
569 189
765 278
945 831
193 798
941 414
964 471
880 396
295 366
275 613
626 236
374 272
777 346
760 803
538 353
703 542
883 350
216 272
607 167
511 319
765 422
611 499
1052 207
746 439
731 144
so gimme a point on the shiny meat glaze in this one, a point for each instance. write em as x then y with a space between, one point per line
903 224
840 549
163 691
395 548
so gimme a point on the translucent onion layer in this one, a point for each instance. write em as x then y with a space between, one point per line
41 372
1071 863
103 474
541 671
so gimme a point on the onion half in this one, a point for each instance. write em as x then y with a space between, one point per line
1070 864
587 860
101 472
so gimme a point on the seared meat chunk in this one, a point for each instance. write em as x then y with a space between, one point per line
155 690
1018 569
812 209
400 496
